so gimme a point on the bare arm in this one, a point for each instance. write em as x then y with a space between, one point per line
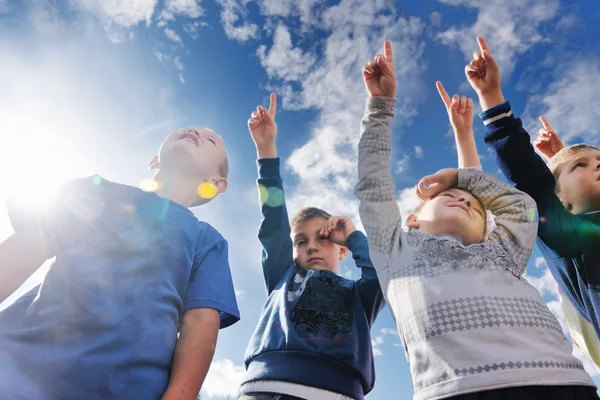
20 256
460 114
193 353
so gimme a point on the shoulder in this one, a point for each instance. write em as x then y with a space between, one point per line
208 236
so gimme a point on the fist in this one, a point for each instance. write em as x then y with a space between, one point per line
337 229
548 143
460 110
262 126
430 185
483 72
378 74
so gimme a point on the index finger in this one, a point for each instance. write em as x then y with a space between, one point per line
387 52
546 123
445 98
273 104
482 44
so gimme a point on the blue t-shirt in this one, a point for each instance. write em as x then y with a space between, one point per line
104 322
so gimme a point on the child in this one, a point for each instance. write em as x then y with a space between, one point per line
313 338
471 328
133 270
567 190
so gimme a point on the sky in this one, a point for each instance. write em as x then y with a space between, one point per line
95 86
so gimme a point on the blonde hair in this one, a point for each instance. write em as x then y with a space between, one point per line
565 154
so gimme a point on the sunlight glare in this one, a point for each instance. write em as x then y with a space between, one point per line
34 162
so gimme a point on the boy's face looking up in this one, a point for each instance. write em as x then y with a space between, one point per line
196 151
453 211
578 181
311 250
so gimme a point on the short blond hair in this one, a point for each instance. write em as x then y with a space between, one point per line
557 161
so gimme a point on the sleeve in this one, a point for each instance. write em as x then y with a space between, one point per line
210 284
515 213
368 285
564 233
376 189
274 230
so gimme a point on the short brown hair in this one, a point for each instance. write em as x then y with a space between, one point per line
309 213
566 153
224 168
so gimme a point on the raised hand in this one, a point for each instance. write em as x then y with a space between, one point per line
442 180
337 229
378 74
263 129
460 110
548 143
483 74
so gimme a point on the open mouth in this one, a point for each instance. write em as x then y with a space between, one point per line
190 138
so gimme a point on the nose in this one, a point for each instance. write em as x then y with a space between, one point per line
463 200
311 248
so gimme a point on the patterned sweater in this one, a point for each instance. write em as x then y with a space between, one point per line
468 321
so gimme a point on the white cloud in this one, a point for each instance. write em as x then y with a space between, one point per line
510 28
306 10
240 294
283 60
378 341
188 8
223 379
419 152
569 102
327 77
545 284
233 18
125 13
403 164
172 35
193 28
436 19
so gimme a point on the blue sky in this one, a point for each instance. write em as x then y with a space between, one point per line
94 87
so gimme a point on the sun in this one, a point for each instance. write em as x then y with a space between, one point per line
33 164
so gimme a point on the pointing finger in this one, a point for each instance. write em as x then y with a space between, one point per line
443 94
482 44
387 52
273 104
546 123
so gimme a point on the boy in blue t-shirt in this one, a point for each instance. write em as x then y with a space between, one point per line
132 305
313 338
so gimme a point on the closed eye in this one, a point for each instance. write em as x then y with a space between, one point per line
578 165
449 194
213 141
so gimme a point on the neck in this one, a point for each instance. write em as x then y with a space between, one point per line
176 187
438 230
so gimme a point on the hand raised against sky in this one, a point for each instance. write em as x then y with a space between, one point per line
483 74
548 143
263 129
337 229
460 111
378 74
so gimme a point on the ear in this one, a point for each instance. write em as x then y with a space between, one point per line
412 222
343 252
154 164
220 183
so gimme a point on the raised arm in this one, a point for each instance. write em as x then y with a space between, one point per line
566 234
341 230
460 114
274 230
376 189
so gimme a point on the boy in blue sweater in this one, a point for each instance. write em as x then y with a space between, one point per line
313 339
567 194
131 307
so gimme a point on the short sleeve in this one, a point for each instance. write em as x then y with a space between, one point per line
210 284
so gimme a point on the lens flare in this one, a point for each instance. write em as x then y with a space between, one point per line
272 197
207 190
150 185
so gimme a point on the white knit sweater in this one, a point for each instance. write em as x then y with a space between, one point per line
468 320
